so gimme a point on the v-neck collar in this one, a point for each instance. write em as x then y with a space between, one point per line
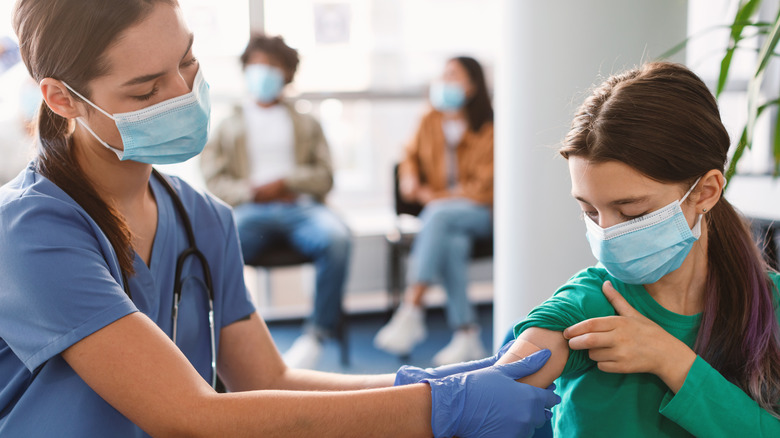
145 275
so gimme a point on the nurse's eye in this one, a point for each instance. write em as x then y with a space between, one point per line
148 95
189 63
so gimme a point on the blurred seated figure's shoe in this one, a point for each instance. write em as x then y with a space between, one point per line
304 353
464 346
405 330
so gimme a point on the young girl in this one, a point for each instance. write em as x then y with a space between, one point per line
121 292
675 332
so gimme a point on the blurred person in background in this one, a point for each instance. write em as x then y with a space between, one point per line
21 99
448 168
273 165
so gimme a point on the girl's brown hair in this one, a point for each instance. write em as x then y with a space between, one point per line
67 40
662 121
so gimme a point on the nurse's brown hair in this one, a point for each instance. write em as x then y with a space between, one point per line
66 40
661 120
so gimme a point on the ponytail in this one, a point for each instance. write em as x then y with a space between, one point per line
739 299
56 162
51 48
655 119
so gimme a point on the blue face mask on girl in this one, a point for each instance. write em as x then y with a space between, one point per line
447 96
643 250
169 132
265 82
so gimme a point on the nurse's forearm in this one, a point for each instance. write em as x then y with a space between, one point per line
301 380
391 412
136 368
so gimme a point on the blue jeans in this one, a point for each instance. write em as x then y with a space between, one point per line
442 251
316 232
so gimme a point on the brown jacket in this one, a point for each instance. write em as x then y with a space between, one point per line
225 160
425 158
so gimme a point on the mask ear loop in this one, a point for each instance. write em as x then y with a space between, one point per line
119 153
696 230
88 101
690 190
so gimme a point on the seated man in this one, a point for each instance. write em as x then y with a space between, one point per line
273 165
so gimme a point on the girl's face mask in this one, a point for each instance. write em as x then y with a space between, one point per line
643 250
168 132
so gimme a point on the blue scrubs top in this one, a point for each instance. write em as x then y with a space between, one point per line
60 281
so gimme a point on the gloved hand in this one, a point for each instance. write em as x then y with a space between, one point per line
488 403
408 374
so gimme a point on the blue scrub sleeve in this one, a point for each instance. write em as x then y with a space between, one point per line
57 286
236 302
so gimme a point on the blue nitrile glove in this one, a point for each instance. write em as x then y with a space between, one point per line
488 403
408 374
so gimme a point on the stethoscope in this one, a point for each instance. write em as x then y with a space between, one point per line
192 250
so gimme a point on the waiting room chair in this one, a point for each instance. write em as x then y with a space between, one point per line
400 244
282 254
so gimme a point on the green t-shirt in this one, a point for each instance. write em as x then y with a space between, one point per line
599 404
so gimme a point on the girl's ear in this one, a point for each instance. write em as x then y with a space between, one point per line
709 191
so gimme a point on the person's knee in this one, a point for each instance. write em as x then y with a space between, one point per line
338 243
439 214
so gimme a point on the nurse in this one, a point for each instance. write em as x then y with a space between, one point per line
121 291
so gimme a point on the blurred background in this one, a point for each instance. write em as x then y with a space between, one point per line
365 71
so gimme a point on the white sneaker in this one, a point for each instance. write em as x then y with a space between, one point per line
304 353
464 346
405 330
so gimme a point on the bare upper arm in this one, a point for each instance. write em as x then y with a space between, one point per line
247 357
535 339
134 367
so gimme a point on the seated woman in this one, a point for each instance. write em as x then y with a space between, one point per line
675 332
448 168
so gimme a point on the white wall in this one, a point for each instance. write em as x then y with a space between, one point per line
552 52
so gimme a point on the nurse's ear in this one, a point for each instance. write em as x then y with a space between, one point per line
709 190
59 99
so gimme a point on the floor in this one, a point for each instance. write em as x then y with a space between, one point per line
364 358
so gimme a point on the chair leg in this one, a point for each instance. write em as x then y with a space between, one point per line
343 339
393 277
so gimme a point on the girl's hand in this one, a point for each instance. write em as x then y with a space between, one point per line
631 343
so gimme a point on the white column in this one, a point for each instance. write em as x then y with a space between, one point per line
552 52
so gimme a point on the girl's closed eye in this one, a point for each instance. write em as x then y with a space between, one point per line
592 215
148 95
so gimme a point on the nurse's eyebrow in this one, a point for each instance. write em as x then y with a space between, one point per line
150 77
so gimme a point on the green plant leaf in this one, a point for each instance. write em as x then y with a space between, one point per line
762 28
776 144
740 149
754 86
742 144
745 11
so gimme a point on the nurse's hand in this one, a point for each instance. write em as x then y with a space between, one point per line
631 343
408 374
488 403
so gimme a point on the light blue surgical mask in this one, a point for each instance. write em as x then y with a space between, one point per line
447 96
643 250
169 132
265 82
